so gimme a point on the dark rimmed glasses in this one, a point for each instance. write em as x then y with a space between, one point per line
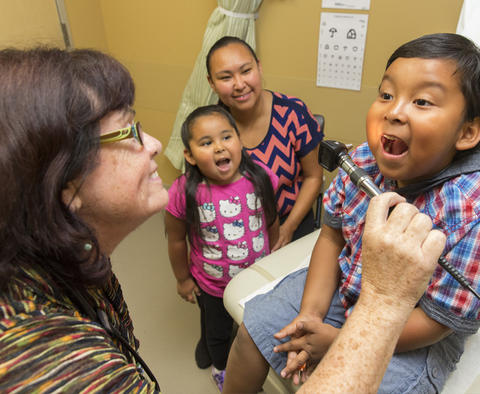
132 131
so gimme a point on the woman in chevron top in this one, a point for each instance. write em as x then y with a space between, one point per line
275 129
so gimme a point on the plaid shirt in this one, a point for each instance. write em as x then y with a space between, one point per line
454 208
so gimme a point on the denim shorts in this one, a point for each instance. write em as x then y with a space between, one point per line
420 371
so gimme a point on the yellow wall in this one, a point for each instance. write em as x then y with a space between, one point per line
158 41
25 23
86 22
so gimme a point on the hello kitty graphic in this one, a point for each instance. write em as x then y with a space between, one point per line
212 252
235 230
237 252
254 222
230 208
206 212
253 202
258 242
234 270
213 270
210 233
264 253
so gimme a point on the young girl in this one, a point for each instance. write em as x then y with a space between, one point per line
225 205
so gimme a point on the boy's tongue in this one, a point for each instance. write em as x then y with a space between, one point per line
393 145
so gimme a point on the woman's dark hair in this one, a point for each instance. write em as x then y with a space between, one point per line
51 103
223 42
454 47
248 168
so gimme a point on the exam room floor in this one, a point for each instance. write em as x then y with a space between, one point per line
168 327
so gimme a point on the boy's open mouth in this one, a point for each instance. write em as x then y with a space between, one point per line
393 145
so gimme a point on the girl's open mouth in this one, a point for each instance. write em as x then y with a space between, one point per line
393 145
223 164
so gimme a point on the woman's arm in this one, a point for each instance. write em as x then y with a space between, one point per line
273 232
178 254
311 186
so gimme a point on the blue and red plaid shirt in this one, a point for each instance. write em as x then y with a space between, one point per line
453 206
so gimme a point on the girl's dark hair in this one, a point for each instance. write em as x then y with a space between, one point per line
223 42
51 103
454 47
248 168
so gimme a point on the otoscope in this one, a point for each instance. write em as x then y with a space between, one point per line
333 154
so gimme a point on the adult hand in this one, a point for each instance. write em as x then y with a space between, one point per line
400 253
310 340
285 234
187 288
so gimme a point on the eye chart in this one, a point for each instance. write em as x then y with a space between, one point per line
341 48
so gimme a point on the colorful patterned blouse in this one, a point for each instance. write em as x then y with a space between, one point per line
47 346
293 133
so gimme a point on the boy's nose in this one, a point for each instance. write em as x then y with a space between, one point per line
396 112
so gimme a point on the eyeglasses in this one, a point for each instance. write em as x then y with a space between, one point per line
133 131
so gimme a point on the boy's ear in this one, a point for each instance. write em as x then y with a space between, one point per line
71 198
189 158
469 136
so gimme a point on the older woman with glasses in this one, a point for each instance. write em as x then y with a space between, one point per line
77 174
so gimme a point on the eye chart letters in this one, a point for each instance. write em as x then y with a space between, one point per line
341 48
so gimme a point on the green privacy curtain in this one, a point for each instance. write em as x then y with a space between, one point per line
230 18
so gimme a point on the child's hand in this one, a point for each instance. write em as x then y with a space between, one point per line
310 340
187 288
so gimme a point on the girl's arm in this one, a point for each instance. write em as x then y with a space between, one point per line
421 331
178 254
311 186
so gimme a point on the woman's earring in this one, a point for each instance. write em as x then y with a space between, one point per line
87 246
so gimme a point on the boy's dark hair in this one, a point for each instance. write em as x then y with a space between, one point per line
223 42
454 47
51 103
248 168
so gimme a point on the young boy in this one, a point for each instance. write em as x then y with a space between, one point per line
422 132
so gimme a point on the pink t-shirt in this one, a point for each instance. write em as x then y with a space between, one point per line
233 230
